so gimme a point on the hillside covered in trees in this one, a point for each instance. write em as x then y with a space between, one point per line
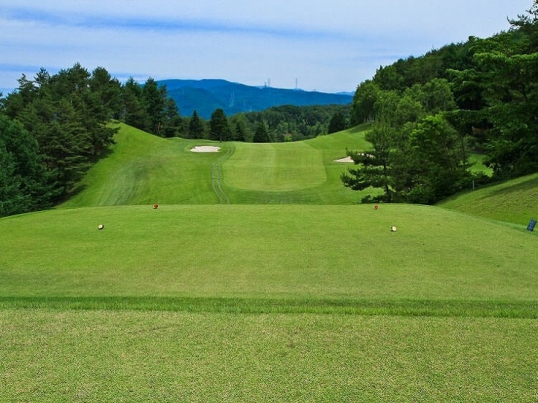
431 113
54 127
204 96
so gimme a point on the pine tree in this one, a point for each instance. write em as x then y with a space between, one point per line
172 123
261 135
196 127
134 113
153 101
337 123
218 126
25 184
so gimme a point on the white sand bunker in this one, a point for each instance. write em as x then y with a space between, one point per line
349 159
346 159
205 149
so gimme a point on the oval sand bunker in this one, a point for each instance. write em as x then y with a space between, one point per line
345 159
205 149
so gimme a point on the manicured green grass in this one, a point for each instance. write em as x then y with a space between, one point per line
275 166
313 299
294 173
145 169
514 201
289 251
257 303
88 356
477 161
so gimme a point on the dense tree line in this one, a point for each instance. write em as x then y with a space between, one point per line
430 113
281 123
148 107
62 121
25 183
295 123
54 127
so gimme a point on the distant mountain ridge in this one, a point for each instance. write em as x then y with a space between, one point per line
205 96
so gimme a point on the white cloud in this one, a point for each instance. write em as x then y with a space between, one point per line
327 45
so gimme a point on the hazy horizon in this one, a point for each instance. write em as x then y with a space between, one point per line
324 46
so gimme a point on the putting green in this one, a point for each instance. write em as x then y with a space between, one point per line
275 167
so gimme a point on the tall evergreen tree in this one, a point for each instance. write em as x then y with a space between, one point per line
10 182
498 96
65 114
25 184
172 123
261 135
134 113
196 127
153 101
106 95
219 128
240 127
240 131
337 123
373 168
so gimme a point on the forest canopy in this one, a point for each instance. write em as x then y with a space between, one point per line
54 127
430 113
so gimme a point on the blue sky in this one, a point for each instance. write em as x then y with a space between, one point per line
324 45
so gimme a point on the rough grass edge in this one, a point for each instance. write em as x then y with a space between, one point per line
403 307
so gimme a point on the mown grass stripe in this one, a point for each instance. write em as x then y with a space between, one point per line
432 308
215 181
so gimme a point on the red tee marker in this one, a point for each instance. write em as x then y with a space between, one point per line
155 206
376 207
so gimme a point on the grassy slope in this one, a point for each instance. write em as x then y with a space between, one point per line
141 356
274 166
289 251
145 169
514 201
258 303
195 302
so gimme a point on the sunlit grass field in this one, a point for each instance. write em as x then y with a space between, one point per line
257 251
275 166
290 302
260 278
139 356
514 201
145 169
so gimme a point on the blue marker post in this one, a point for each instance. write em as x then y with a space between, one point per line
531 225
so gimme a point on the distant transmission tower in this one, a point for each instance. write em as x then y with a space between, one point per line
232 100
296 84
